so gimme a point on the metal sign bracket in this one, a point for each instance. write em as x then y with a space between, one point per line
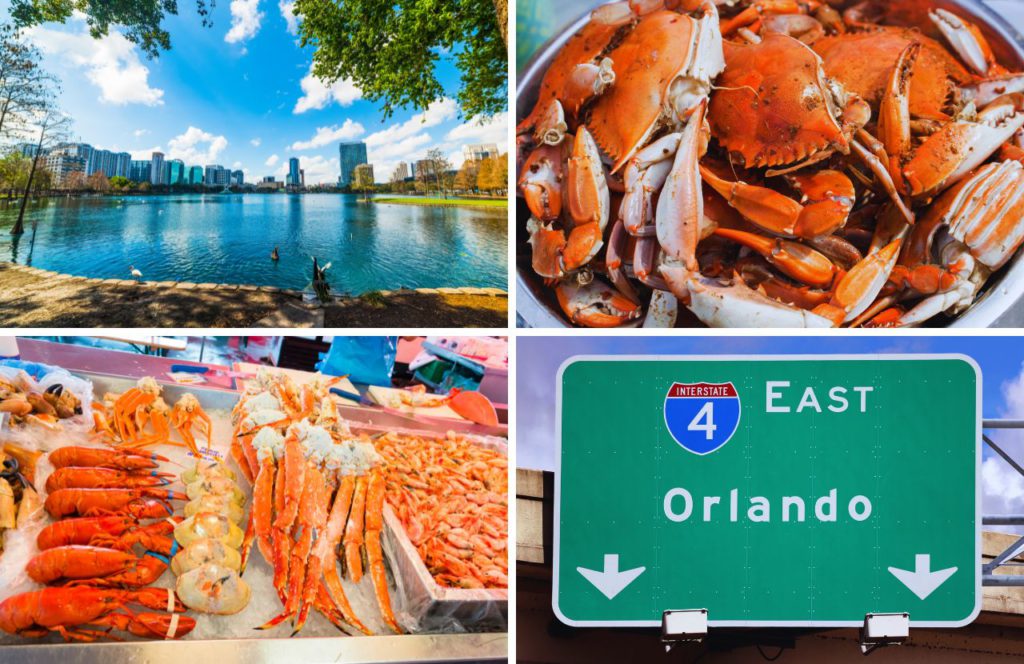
884 629
683 626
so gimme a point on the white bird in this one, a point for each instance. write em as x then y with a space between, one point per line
135 273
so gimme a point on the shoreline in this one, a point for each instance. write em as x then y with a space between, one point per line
33 297
478 204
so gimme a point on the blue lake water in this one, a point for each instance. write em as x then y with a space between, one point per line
229 238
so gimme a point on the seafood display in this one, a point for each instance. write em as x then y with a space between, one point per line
779 164
99 561
209 564
451 496
321 512
124 418
23 400
18 498
316 494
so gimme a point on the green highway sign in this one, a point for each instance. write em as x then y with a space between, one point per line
771 491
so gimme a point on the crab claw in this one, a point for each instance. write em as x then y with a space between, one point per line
473 406
791 258
860 286
966 39
541 182
662 311
961 146
894 113
585 82
829 196
589 201
987 90
618 244
551 127
547 246
680 210
596 305
734 304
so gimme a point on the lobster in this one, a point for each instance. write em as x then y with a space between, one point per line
116 532
98 566
75 477
103 458
69 611
146 503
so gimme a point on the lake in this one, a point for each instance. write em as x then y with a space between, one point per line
229 238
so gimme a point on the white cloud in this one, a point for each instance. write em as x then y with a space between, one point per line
145 153
287 12
494 130
237 166
245 20
111 63
256 142
1002 486
316 95
319 170
409 140
273 159
139 133
196 147
327 135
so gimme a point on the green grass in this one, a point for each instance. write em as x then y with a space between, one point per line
374 299
471 202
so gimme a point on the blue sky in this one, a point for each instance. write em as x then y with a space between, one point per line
239 94
1001 360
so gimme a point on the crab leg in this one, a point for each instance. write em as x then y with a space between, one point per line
293 477
618 243
733 304
881 173
353 540
792 258
332 537
589 202
860 286
374 553
645 174
894 113
314 569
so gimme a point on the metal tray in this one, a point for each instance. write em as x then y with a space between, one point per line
474 647
1003 295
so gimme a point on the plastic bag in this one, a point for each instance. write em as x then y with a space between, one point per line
366 360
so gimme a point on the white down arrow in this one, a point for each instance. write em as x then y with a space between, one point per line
611 581
922 581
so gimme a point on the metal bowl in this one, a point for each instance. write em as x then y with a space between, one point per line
1002 300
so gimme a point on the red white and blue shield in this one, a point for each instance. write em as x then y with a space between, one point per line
702 417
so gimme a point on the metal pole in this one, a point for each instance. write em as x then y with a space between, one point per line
1002 580
1006 457
1003 520
1002 424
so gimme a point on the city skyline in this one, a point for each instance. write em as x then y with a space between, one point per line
239 93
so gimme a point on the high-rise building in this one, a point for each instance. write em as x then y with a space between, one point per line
122 162
412 169
302 176
175 172
363 173
28 150
424 169
294 178
139 171
480 152
217 176
400 173
157 172
350 155
62 163
237 178
195 175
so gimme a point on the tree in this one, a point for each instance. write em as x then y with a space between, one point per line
437 167
120 182
22 83
391 49
362 180
466 180
485 177
75 181
98 182
51 125
140 20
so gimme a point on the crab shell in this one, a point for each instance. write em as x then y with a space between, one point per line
663 69
862 62
985 211
772 105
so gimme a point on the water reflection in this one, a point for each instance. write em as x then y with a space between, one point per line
229 239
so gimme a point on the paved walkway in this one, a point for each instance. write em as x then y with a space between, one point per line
30 297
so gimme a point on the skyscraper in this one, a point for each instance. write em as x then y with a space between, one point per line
294 177
237 178
350 155
401 172
139 171
195 175
217 176
176 172
157 172
479 152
